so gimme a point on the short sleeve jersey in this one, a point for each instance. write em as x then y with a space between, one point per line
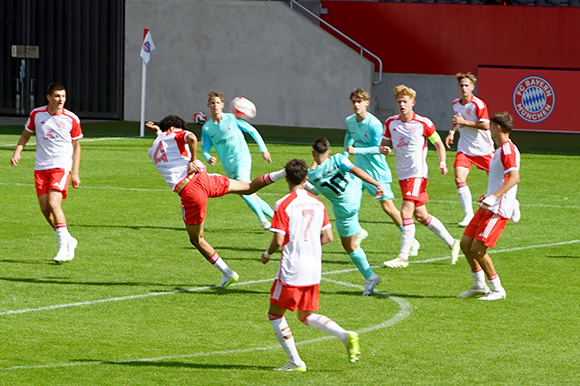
473 142
365 136
170 154
228 139
409 140
54 136
333 180
505 159
300 217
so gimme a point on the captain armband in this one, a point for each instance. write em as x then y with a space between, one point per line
434 137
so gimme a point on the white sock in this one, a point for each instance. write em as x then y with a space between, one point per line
285 338
407 238
326 325
270 178
465 198
62 234
219 263
478 278
495 283
437 227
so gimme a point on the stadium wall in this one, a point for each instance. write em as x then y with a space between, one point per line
295 72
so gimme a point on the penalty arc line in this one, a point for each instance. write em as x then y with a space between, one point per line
405 309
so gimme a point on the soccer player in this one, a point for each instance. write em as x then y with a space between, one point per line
58 152
407 133
225 132
495 208
174 154
300 226
362 139
334 177
475 146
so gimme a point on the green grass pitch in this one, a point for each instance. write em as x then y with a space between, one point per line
136 307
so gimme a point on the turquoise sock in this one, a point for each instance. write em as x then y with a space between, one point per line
400 228
265 208
359 258
255 206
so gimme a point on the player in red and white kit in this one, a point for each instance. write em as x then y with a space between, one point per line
301 226
58 152
496 208
475 146
407 133
174 153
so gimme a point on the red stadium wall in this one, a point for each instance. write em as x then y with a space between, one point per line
444 39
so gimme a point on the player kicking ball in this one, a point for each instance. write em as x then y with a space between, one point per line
301 226
495 209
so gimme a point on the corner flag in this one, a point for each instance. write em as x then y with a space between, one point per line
147 45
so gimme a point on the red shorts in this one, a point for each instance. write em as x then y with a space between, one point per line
481 161
195 194
415 190
51 179
486 226
290 297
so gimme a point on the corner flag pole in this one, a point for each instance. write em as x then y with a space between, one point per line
146 47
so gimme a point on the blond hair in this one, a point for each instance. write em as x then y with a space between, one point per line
459 76
361 94
215 94
404 90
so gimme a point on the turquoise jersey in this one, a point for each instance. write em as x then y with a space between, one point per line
366 137
333 180
228 139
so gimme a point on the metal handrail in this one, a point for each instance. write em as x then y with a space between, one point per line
362 49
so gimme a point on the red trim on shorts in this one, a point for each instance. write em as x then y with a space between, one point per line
486 226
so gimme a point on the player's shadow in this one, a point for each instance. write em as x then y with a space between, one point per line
176 364
178 287
563 257
23 261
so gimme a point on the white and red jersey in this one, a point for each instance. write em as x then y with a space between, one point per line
505 159
409 141
54 136
300 217
472 141
171 155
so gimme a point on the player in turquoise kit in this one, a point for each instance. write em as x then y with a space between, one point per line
334 177
225 132
363 136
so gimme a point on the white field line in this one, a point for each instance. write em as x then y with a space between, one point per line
405 309
271 194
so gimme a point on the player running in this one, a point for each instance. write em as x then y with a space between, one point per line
496 207
407 133
362 139
334 177
225 132
300 227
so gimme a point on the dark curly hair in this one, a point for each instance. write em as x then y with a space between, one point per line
296 171
172 120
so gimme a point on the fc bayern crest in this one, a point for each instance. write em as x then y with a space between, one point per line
534 99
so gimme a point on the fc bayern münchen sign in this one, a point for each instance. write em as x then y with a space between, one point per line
534 99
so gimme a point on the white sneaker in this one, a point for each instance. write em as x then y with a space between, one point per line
397 263
517 215
72 244
474 291
292 367
370 284
414 251
228 280
466 220
62 254
454 252
494 295
361 236
266 225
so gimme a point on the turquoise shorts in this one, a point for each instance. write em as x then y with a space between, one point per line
347 222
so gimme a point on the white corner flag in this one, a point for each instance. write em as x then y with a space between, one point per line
146 47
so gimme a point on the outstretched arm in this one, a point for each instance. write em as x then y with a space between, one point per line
369 179
246 127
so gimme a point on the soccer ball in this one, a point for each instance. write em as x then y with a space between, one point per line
199 118
243 108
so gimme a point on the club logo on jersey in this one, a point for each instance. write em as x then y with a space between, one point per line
534 99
